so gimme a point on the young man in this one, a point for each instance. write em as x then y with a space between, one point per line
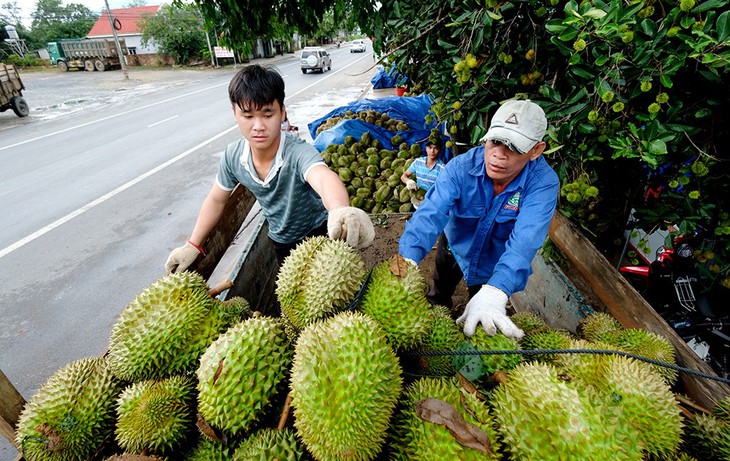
493 204
298 194
425 168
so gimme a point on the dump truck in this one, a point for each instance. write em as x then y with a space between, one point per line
91 55
11 87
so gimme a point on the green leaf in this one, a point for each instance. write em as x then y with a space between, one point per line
494 15
581 72
649 27
595 13
656 147
666 81
723 27
555 26
709 5
575 59
587 128
568 35
601 60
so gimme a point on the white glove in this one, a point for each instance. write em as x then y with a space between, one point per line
488 307
182 257
411 185
351 224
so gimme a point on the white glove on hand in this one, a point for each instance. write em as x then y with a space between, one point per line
488 307
351 224
181 258
411 185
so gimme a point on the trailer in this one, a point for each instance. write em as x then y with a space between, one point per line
11 87
90 55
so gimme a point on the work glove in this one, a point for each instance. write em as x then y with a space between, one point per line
351 225
489 307
411 185
182 257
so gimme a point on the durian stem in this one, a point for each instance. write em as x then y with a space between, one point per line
285 412
220 287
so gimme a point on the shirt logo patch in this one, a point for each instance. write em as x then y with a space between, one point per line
512 119
513 203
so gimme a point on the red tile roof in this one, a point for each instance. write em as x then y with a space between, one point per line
128 17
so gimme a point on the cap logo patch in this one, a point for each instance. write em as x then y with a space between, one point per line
512 119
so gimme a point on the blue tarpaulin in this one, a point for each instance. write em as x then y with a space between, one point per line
388 78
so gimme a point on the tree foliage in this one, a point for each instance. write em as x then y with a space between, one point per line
177 31
53 21
635 91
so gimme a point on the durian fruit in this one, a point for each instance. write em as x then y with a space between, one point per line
529 322
481 341
156 416
133 457
319 278
240 372
444 335
597 325
579 363
552 339
722 409
647 344
166 328
541 416
708 437
644 401
209 450
415 438
395 298
71 417
271 444
238 308
345 381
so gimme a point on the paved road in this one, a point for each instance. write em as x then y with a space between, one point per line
61 293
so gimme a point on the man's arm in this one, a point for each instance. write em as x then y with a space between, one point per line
328 186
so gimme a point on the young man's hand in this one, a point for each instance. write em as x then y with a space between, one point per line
411 185
352 225
489 307
182 257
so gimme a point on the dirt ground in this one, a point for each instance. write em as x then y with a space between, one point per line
388 229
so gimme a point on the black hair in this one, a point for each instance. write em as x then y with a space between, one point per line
434 142
255 86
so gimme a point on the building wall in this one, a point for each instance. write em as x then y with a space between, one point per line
134 42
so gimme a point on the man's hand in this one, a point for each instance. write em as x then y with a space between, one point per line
351 224
411 185
488 307
182 257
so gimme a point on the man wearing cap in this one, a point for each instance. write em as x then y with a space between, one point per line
492 207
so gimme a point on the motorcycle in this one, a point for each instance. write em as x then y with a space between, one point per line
670 284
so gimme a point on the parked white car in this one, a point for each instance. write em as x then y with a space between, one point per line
358 46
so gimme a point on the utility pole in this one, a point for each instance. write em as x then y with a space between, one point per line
122 59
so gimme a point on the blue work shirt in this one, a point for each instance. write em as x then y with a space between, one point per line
493 238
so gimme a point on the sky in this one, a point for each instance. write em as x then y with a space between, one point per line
27 7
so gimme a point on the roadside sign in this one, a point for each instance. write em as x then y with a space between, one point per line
221 52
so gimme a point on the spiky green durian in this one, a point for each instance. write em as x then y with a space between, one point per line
481 341
71 416
708 436
415 438
529 322
271 444
237 308
595 326
166 328
156 416
722 409
395 298
645 402
684 457
133 457
647 344
444 335
319 278
345 382
579 363
552 339
210 450
240 372
541 416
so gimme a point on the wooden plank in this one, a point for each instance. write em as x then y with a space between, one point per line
11 404
225 231
630 308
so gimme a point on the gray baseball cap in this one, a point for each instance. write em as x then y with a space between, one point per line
518 124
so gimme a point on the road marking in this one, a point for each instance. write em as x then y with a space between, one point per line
111 116
162 121
24 241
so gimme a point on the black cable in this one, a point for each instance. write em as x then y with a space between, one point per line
574 351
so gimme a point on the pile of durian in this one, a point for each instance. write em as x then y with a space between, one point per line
372 117
343 373
372 175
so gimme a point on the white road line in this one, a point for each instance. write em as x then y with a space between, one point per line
162 121
24 241
110 117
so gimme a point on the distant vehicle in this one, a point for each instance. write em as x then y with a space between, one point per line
91 55
358 46
11 86
315 58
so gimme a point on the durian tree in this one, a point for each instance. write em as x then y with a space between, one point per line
636 92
